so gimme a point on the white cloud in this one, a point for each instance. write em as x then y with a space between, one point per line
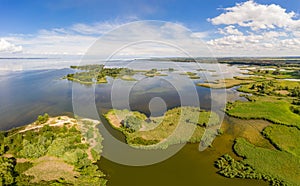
96 28
254 29
73 40
200 35
230 30
256 16
7 47
154 38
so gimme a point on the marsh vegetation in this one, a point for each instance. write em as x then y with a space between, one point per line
276 100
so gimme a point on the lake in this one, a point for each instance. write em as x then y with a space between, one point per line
27 93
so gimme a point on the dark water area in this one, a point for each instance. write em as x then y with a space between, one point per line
188 167
27 94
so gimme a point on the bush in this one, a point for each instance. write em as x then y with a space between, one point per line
32 150
42 119
142 141
22 167
133 123
7 170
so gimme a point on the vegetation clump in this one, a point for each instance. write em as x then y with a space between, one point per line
231 168
91 74
42 118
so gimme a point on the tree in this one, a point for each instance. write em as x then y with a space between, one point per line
43 119
132 123
7 170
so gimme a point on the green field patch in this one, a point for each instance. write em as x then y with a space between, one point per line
272 87
284 138
229 83
268 108
277 165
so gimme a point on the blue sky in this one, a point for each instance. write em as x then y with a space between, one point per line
272 24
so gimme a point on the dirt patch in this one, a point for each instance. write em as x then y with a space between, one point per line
114 120
51 168
282 92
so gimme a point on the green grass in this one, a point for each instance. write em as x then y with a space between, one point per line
268 108
277 164
231 168
227 83
270 87
178 125
284 138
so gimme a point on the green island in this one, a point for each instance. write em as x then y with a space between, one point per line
178 125
97 74
274 96
52 151
191 75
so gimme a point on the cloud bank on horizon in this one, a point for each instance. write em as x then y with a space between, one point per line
245 29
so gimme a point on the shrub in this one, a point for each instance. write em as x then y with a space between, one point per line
133 123
42 119
22 167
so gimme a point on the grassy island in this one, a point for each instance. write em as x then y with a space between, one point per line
97 74
160 132
52 151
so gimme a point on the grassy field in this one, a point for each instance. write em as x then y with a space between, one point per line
49 168
178 125
268 108
276 87
276 164
284 138
229 83
276 100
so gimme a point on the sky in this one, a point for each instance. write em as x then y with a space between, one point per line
227 27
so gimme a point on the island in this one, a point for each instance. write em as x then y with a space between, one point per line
52 151
98 74
160 132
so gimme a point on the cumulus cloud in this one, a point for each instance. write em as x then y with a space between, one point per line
230 30
256 16
250 28
7 47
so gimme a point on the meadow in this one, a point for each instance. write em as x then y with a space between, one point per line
276 100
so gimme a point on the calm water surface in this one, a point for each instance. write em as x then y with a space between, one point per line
26 94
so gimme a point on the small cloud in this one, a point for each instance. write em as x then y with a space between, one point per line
200 35
230 30
7 47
